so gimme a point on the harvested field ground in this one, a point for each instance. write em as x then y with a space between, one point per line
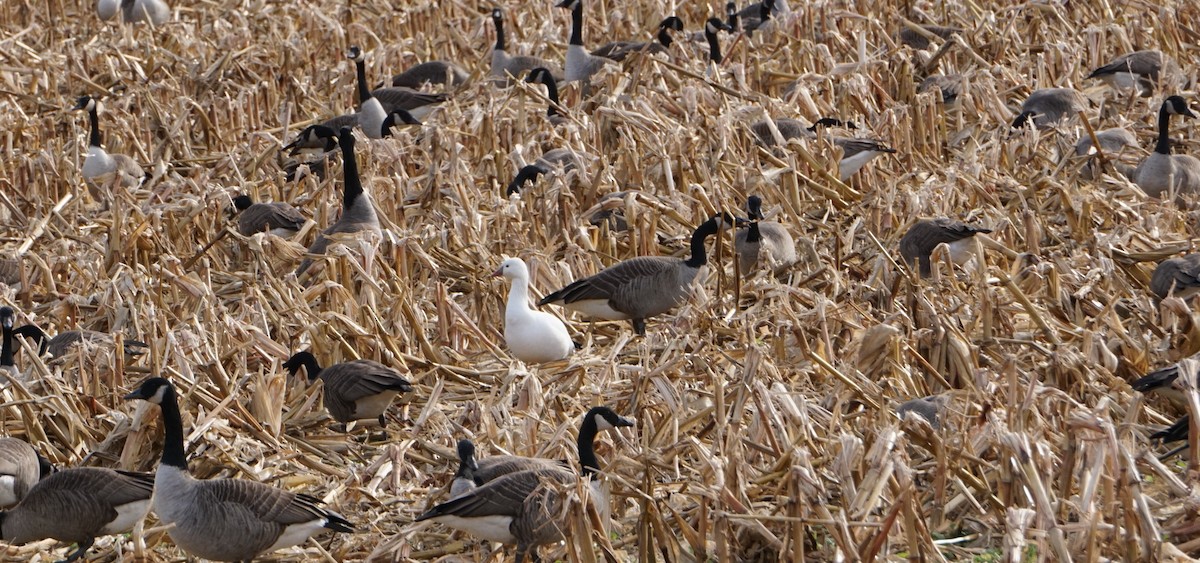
765 406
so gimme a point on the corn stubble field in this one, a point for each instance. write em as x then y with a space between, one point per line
765 407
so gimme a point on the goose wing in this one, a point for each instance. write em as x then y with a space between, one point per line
494 467
609 282
262 511
76 504
399 98
267 216
1145 63
1177 273
505 496
362 378
851 146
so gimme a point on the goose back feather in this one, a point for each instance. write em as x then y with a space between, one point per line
925 235
1180 275
354 390
277 217
20 469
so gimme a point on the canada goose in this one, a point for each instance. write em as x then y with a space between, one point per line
929 408
756 16
1162 171
1113 142
925 235
521 508
464 478
581 65
1179 275
6 342
100 167
948 85
1048 106
765 239
21 467
543 75
321 136
375 105
354 390
532 336
433 72
358 213
565 160
1162 382
1138 70
598 419
640 287
619 50
62 343
76 505
278 217
224 519
1176 432
731 16
711 27
856 153
134 11
505 65
910 37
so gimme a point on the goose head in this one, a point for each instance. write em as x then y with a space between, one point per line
304 360
754 208
1176 105
345 139
606 419
539 74
355 54
731 12
1026 117
713 25
86 103
242 202
152 390
497 15
568 4
397 116
672 23
6 318
466 454
310 134
512 268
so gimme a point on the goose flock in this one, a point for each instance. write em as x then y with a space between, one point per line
722 236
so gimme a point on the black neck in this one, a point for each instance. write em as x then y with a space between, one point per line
699 258
364 93
764 12
6 348
173 453
552 93
352 189
388 122
37 334
587 450
94 118
524 175
733 21
752 233
577 24
1164 125
663 37
499 34
714 46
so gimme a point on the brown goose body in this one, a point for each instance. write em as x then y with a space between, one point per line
1180 275
354 390
276 217
925 235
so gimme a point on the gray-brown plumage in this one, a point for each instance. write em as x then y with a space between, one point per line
1140 70
925 235
619 50
358 213
856 153
641 287
10 271
507 67
1162 172
437 73
62 343
1113 142
354 390
929 408
1179 276
916 40
276 217
321 136
224 519
20 469
767 241
948 85
526 507
1049 106
76 505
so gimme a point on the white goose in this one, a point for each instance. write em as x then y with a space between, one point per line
532 336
